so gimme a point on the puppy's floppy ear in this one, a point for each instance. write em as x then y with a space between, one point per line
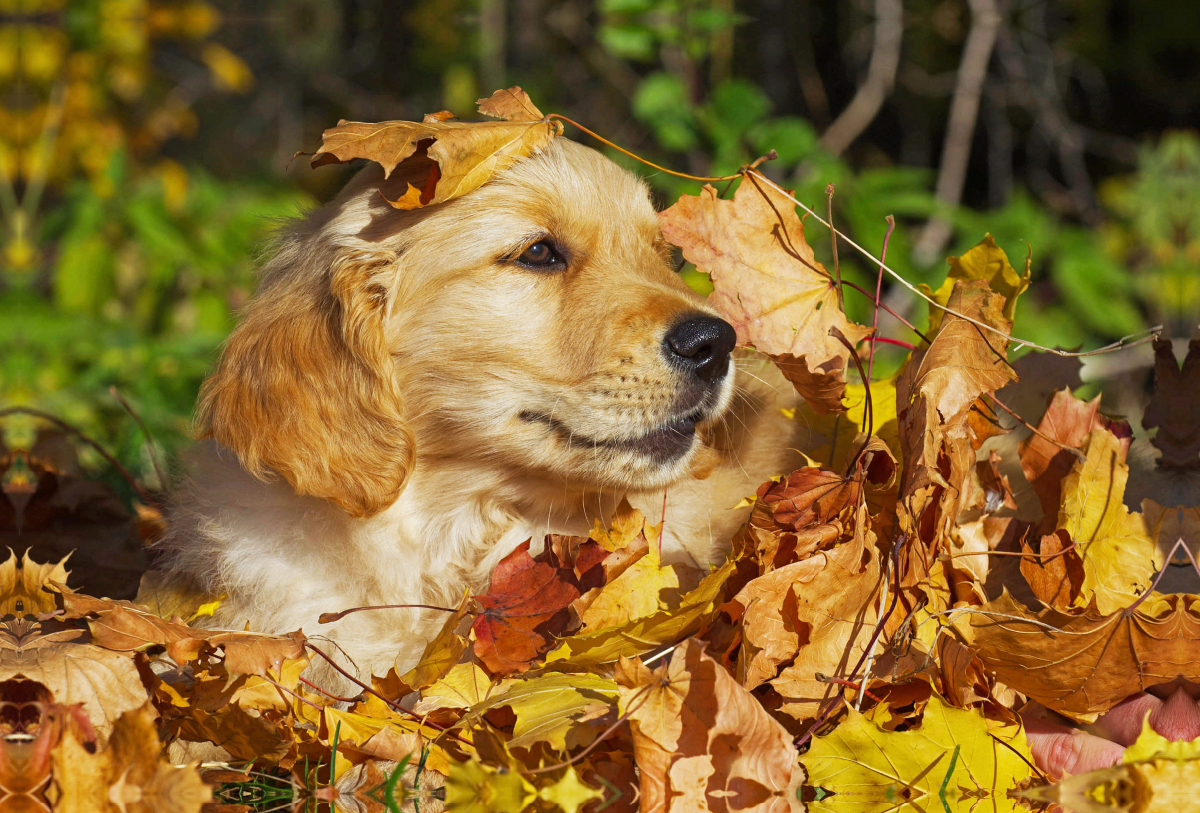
305 386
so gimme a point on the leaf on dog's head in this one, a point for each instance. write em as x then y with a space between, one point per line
768 283
518 613
464 155
512 104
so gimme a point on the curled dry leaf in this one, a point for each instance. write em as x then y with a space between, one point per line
810 612
702 742
1082 664
464 155
1054 571
125 627
768 283
934 395
984 261
810 509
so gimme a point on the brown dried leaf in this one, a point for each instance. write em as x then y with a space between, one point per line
781 610
125 627
465 154
934 395
704 743
1054 576
1083 664
768 284
512 104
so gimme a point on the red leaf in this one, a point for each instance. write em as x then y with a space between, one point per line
525 605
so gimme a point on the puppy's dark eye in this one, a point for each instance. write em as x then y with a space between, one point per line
541 255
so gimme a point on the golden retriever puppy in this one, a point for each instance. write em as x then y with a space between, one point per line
413 394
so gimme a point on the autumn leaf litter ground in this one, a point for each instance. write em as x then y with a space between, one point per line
913 621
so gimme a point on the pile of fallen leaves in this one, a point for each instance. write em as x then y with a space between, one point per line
912 621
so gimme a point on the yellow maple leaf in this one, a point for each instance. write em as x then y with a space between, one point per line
952 762
569 792
636 593
647 633
549 707
986 261
21 583
472 787
1119 557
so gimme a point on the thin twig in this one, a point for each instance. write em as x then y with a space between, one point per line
329 618
886 340
606 142
158 471
887 309
326 692
112 461
866 675
1125 342
1073 450
833 235
891 221
283 688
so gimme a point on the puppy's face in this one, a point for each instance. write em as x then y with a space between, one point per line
535 323
538 321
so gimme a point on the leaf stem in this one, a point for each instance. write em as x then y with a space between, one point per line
891 221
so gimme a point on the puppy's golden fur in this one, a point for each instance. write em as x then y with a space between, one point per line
404 402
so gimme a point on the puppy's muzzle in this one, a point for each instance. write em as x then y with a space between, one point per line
701 345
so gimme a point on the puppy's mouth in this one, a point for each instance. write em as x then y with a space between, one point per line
668 441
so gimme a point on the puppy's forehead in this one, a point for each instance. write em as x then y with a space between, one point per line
569 189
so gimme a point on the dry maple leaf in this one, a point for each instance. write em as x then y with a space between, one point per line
1173 409
525 605
702 742
812 612
1067 421
1119 557
125 627
1083 664
984 261
682 618
127 775
951 762
768 284
465 155
837 612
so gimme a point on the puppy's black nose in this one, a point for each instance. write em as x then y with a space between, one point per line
701 344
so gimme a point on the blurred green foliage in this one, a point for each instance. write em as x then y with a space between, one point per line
126 268
146 273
